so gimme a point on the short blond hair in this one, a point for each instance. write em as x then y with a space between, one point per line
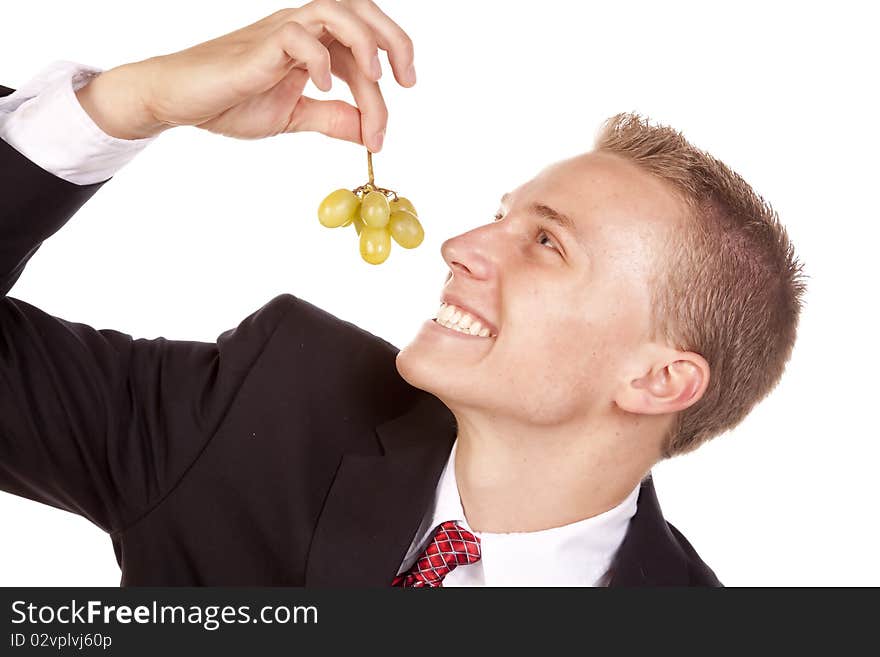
730 288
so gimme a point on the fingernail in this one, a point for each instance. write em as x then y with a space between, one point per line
377 141
411 74
377 68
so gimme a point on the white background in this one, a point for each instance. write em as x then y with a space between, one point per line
199 231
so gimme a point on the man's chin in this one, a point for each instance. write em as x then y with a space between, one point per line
412 370
424 372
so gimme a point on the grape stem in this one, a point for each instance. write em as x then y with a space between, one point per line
370 186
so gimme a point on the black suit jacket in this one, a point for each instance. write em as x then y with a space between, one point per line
289 452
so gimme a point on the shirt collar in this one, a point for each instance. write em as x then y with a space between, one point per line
576 554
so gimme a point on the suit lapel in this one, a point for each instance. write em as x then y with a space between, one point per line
376 502
649 554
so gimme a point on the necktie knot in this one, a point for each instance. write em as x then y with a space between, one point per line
451 546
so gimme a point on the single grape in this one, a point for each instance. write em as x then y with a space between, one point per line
406 229
375 245
358 224
403 204
374 210
339 208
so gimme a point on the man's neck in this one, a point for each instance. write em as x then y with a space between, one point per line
508 483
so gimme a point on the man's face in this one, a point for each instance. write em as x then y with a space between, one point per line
570 307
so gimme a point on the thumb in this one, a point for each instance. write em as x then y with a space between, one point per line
334 118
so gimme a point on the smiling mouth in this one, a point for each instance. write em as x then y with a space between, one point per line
462 332
452 318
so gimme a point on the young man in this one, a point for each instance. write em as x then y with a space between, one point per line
639 300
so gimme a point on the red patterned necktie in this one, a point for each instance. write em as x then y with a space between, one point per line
451 546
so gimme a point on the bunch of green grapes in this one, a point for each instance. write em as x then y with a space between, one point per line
378 215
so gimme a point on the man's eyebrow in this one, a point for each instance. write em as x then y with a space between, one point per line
562 220
559 218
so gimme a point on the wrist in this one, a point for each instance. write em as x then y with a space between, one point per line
115 102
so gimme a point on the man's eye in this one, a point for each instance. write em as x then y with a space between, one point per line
541 231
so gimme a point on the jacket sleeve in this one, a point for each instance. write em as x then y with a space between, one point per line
92 421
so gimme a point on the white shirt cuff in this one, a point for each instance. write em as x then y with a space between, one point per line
44 121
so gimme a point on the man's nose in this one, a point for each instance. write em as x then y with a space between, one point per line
469 255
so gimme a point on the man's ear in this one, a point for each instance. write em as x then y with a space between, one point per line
673 381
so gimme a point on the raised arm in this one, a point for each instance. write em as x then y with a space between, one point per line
95 421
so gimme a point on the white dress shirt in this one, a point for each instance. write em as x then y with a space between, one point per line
577 554
44 121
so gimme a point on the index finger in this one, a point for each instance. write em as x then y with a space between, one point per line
390 37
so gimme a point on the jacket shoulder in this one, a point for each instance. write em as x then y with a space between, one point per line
303 312
324 357
699 573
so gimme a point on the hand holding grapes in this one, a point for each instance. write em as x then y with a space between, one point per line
249 83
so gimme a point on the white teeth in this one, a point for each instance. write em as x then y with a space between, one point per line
452 317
